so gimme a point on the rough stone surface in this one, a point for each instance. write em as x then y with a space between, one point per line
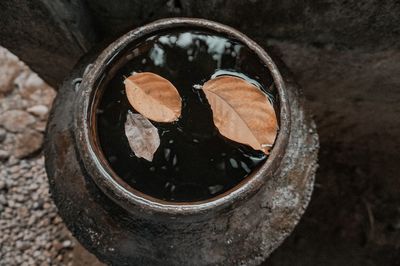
350 23
49 35
353 217
78 24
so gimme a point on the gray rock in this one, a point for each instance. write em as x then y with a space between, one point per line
27 143
3 199
8 72
14 169
2 185
16 120
4 155
3 134
12 160
11 203
22 245
24 165
67 243
39 110
19 198
40 126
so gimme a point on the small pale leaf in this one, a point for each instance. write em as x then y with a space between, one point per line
153 96
142 136
242 112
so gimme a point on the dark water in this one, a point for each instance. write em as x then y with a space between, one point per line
194 162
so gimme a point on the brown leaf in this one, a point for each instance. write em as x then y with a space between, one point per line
142 136
153 96
242 112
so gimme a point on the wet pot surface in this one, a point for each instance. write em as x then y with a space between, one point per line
124 226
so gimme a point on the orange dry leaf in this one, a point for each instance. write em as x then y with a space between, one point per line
153 96
242 112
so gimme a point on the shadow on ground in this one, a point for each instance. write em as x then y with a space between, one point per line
354 215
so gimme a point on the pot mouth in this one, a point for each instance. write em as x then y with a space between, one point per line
117 189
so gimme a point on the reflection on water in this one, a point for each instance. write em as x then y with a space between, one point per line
193 162
192 43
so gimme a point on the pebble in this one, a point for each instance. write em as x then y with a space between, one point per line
4 155
27 143
8 71
33 80
3 134
3 200
40 126
67 243
2 185
14 169
12 160
16 120
39 110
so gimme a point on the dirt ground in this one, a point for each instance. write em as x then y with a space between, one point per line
354 215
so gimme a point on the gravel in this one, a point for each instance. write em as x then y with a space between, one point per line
31 232
39 110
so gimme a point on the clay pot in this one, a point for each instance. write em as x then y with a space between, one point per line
122 226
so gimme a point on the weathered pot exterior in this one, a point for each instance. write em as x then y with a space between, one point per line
120 227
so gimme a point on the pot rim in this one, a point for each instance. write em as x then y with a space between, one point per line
118 190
